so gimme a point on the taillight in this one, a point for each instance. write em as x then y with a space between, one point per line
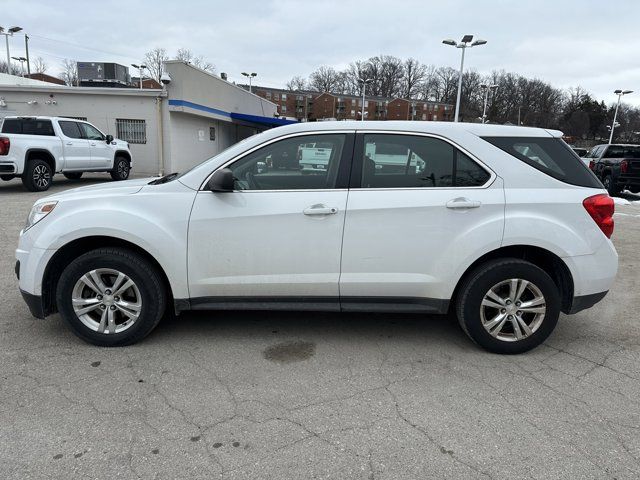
591 164
600 207
5 144
624 165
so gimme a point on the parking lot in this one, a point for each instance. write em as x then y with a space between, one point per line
242 395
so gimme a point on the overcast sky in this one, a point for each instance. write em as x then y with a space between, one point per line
594 44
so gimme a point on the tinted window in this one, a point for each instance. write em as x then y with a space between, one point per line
549 155
28 126
614 152
11 125
37 127
305 162
623 151
409 161
70 129
91 132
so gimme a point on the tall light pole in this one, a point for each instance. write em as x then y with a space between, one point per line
21 60
364 82
620 93
465 43
140 68
7 34
250 76
486 89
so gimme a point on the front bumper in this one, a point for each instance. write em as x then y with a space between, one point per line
35 304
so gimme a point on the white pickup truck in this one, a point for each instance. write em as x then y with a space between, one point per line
36 148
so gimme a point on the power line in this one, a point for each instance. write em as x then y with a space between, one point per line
81 46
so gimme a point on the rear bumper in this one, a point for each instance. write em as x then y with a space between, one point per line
586 301
8 168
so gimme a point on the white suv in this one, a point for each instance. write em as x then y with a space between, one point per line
503 225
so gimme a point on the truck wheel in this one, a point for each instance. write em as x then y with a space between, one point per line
508 305
610 185
6 178
121 169
73 175
37 176
111 297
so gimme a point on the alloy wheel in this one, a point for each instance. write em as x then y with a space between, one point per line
513 310
106 301
41 176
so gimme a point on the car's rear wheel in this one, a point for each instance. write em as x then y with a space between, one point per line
508 306
610 185
111 297
37 176
73 175
121 169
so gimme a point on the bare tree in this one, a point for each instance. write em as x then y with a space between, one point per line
69 72
187 56
324 79
154 60
15 70
39 65
297 83
415 73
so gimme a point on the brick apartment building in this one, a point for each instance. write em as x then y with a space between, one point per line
315 106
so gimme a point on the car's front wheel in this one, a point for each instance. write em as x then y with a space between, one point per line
121 169
111 297
508 306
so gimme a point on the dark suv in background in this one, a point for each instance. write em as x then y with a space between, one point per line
617 166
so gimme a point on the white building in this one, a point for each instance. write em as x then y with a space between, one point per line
195 117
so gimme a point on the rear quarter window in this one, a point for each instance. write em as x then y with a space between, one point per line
11 126
551 156
28 126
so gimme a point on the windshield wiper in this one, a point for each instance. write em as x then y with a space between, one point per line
165 179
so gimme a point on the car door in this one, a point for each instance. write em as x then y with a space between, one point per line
101 152
420 211
77 155
277 237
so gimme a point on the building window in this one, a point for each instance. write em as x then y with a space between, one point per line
283 97
284 109
132 131
268 95
212 134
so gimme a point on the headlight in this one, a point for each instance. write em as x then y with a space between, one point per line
38 212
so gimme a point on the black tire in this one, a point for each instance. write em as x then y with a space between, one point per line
73 175
478 283
121 169
37 176
611 187
6 178
145 276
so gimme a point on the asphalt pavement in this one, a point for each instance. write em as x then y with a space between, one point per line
270 395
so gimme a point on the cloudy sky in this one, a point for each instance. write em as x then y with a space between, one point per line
594 44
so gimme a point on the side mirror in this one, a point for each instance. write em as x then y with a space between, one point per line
109 138
221 181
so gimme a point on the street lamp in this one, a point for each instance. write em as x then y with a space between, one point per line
364 82
486 89
7 34
465 43
21 60
140 68
620 93
250 76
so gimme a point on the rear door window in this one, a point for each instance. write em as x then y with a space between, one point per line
37 127
551 156
70 129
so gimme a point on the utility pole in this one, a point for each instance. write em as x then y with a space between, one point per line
26 47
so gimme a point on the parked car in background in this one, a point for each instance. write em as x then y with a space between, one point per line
36 148
617 166
502 225
581 152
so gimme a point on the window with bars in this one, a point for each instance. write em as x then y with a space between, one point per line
132 131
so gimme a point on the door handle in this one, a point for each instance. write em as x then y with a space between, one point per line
93 144
462 202
69 143
320 209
